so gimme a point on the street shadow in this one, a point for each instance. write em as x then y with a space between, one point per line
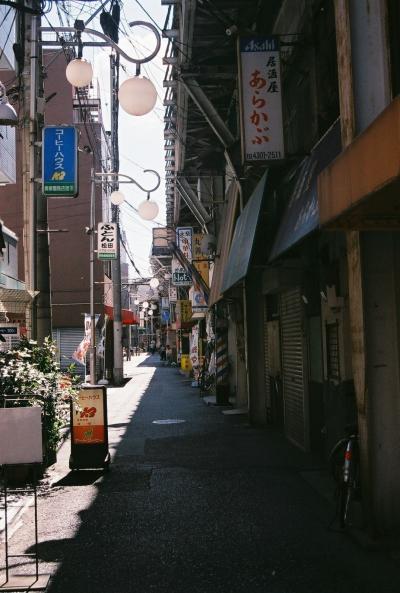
79 478
206 505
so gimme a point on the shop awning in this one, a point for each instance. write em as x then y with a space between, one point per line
243 238
198 315
224 242
360 189
128 317
301 216
13 300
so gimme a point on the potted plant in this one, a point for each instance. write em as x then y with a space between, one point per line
30 375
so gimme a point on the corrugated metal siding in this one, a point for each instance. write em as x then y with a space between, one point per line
293 367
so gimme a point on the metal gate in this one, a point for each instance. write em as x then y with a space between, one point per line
293 362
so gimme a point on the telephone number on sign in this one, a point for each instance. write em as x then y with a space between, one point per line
257 156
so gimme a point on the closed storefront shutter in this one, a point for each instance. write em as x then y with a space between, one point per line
67 340
267 366
293 374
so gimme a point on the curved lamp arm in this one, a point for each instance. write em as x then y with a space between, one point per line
131 180
109 41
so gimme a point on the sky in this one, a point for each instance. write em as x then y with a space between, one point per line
141 139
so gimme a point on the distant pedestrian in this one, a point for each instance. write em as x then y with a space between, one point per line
162 352
152 346
168 354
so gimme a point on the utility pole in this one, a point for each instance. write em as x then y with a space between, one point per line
36 246
116 263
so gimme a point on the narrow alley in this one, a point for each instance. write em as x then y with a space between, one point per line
195 500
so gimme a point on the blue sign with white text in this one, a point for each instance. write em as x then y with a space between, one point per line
60 161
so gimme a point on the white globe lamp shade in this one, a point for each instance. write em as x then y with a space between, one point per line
136 301
154 282
154 307
145 305
137 95
150 312
79 72
117 198
148 210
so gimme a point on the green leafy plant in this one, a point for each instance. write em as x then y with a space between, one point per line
30 375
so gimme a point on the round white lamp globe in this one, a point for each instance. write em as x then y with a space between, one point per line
137 95
154 282
145 305
117 198
136 301
148 210
79 72
150 312
154 307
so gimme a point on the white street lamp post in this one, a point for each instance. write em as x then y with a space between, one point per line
117 198
137 96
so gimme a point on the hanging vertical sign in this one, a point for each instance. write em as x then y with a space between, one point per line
60 162
260 99
200 260
173 294
180 276
107 240
184 240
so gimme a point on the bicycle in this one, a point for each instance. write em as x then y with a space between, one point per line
344 462
205 380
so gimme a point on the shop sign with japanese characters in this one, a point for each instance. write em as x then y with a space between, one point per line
60 162
261 99
88 417
107 240
173 294
184 240
200 260
180 277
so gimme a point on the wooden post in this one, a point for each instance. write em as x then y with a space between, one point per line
354 256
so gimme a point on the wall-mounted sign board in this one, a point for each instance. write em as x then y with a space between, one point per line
20 435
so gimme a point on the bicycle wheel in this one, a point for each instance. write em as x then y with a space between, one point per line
345 495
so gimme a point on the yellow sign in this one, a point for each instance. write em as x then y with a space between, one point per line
202 265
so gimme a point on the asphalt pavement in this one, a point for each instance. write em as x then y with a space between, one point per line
196 501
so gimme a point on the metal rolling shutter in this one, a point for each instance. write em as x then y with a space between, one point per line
67 340
267 366
293 367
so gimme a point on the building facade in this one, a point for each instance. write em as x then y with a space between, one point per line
303 287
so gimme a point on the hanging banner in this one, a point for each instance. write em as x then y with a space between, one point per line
194 350
260 99
183 313
106 240
184 240
60 162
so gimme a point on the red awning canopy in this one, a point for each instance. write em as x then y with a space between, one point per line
128 317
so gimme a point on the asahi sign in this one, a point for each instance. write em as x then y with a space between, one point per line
261 99
107 240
